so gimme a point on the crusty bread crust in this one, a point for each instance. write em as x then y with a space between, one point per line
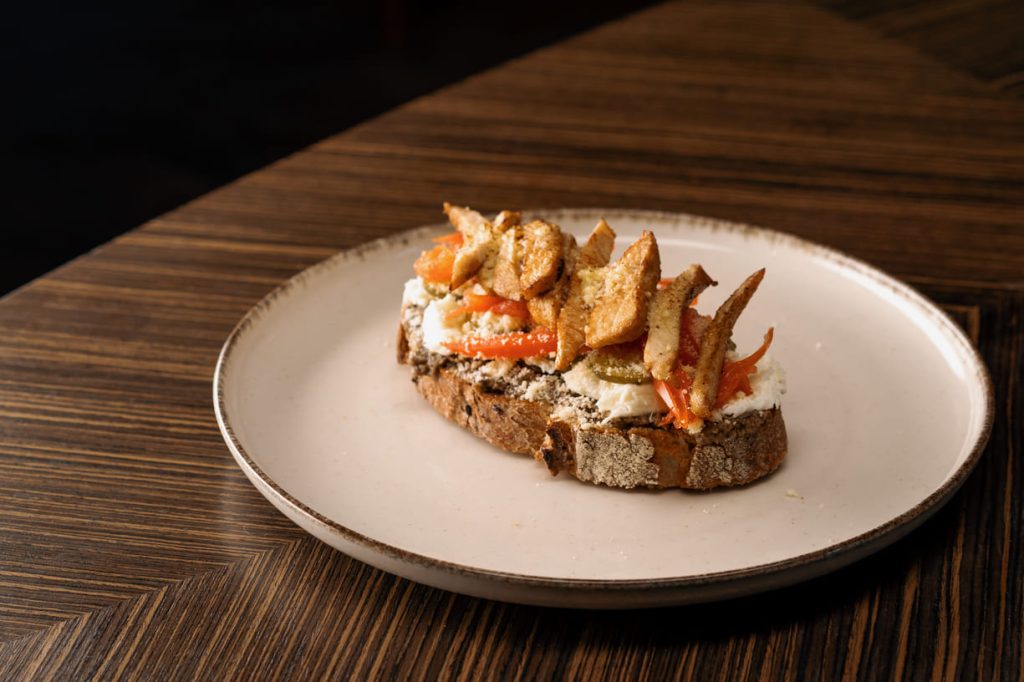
734 451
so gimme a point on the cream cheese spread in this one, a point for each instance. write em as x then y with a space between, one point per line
618 400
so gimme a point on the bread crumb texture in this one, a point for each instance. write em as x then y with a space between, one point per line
711 466
622 461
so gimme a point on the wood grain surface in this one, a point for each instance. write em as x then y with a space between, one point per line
132 546
984 38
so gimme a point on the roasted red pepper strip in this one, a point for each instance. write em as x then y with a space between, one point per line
735 375
479 303
513 345
511 308
735 379
435 265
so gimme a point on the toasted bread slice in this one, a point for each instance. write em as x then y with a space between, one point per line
733 451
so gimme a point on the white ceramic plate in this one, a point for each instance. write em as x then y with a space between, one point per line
888 409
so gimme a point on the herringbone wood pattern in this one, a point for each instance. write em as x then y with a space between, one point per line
132 545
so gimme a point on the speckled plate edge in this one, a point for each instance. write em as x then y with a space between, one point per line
579 593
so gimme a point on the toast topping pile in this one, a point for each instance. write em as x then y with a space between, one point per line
511 291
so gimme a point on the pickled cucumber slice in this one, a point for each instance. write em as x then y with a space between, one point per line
619 368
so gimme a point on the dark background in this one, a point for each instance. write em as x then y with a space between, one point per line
118 112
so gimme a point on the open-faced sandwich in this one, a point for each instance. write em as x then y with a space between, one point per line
600 369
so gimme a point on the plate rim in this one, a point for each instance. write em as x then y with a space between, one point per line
851 547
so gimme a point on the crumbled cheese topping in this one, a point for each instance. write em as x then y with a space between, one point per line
544 364
592 281
440 326
415 293
486 272
489 324
437 328
536 390
497 369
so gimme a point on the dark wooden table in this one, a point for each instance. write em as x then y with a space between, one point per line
131 544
